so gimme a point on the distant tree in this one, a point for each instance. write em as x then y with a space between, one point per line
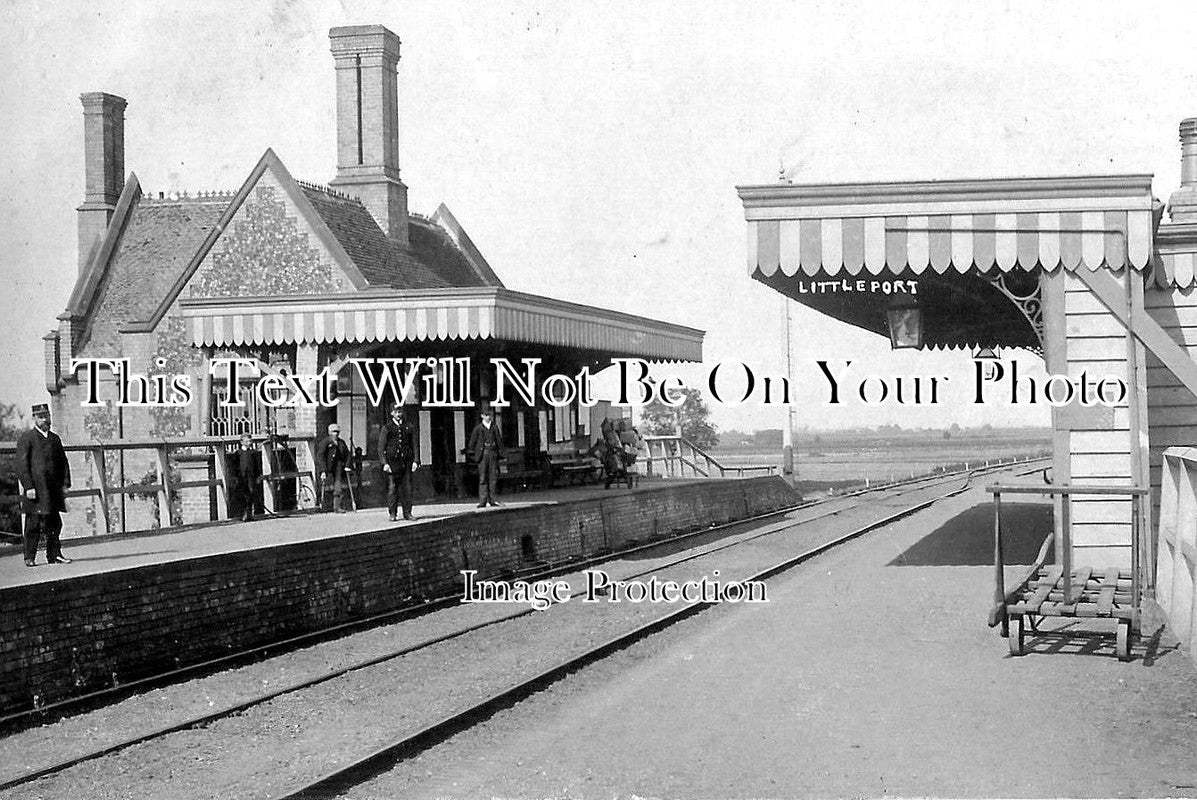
12 422
732 437
12 425
661 420
769 437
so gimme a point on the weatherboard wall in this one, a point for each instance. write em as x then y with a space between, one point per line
1101 441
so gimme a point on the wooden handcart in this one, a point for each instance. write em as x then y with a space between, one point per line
1059 590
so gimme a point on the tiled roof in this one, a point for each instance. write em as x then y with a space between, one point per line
431 262
154 249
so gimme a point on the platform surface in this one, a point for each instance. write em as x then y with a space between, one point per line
869 673
111 553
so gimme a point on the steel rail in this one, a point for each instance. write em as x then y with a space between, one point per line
21 719
358 771
563 568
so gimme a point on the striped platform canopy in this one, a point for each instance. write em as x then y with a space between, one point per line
436 315
1176 261
836 247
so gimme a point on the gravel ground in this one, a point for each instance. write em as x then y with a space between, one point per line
249 754
143 713
860 678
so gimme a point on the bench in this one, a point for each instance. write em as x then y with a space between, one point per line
567 461
520 471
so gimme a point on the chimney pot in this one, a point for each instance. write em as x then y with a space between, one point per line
1182 205
1188 152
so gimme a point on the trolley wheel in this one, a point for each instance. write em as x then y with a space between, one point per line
1017 633
1123 643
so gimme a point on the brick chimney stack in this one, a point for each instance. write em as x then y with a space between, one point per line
1183 203
103 166
367 58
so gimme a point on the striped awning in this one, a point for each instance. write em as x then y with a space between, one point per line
437 315
944 227
1176 260
1176 269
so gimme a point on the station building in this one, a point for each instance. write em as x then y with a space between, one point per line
301 277
1087 271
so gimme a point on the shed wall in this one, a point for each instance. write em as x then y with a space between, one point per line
1172 409
1100 439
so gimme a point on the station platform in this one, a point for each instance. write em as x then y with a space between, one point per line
101 554
869 673
129 607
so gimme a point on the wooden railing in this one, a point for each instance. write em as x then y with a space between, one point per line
1176 566
166 460
672 456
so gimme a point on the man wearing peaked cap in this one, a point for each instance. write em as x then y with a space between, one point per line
45 474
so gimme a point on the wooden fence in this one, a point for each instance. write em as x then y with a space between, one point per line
167 455
672 456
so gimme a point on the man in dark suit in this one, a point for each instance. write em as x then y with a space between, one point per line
397 452
249 476
333 455
45 475
485 444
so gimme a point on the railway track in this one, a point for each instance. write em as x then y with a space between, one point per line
44 713
382 757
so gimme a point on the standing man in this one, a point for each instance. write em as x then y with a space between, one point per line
485 442
333 453
397 452
45 474
249 476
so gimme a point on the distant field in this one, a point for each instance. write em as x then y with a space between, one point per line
834 461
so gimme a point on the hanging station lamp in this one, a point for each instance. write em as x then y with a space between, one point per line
905 320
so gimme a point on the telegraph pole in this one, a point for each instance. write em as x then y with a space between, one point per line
787 434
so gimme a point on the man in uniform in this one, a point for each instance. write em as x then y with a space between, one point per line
333 453
485 442
45 474
397 452
249 477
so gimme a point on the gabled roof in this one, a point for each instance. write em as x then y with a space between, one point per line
146 248
431 261
344 227
444 218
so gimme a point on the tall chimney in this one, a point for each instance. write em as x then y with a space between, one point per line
1183 203
103 166
367 57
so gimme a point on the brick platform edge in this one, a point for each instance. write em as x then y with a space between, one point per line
77 635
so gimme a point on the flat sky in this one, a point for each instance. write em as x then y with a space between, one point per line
591 150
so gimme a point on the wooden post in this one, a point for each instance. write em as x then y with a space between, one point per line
1136 542
1140 446
267 471
1064 546
999 564
102 470
309 447
165 496
222 475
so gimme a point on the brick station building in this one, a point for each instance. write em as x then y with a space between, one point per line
300 277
